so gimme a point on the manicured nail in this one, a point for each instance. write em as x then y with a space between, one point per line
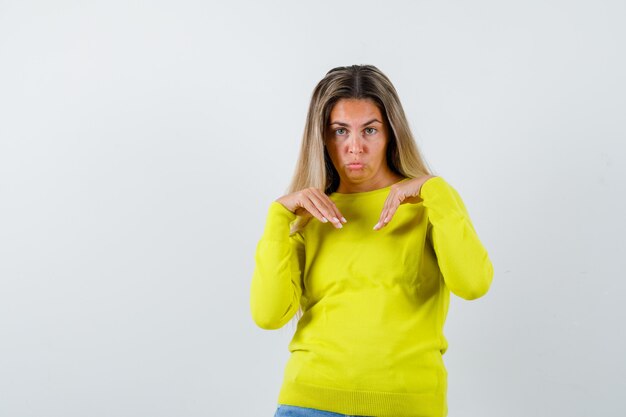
336 220
343 219
324 220
376 225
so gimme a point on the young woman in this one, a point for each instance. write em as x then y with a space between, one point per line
366 246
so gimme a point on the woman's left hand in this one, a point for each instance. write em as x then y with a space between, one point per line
405 192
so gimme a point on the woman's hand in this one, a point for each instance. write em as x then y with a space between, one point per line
313 202
405 192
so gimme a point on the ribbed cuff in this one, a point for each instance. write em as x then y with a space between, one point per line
277 222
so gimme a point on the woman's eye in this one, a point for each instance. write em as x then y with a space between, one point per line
340 131
370 130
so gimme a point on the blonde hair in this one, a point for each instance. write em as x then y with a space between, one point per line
314 167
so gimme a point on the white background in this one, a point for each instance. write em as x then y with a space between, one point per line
142 143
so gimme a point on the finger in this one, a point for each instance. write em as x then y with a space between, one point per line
383 214
389 209
337 217
312 209
325 208
331 206
391 212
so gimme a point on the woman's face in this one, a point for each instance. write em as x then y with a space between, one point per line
356 141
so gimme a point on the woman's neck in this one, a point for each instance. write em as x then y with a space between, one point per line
352 187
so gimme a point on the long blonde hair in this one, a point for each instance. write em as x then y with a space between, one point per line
315 168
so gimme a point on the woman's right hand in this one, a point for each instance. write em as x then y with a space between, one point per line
313 202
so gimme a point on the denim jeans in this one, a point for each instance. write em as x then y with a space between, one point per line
284 410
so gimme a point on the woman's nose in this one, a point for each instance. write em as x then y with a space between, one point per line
355 146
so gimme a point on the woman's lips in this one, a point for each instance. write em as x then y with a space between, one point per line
355 165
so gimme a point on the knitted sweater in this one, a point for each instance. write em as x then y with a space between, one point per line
374 302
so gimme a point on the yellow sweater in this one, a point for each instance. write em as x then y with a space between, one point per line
370 340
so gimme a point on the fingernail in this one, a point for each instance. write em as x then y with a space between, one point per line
324 219
336 220
344 220
376 225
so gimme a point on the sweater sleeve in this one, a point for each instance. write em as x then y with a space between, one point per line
279 262
463 260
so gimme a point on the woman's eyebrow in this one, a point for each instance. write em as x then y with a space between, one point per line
345 124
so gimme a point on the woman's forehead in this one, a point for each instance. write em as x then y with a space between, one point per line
355 111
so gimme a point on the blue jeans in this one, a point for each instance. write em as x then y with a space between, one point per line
284 410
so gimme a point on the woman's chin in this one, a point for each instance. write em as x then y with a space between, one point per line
355 173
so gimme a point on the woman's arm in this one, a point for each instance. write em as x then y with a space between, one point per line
279 262
463 260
